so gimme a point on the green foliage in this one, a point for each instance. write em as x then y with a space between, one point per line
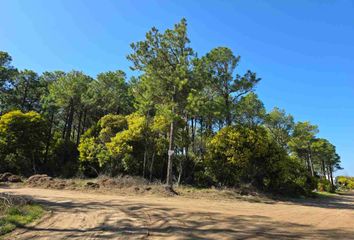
69 88
300 143
250 110
7 71
110 94
239 155
7 74
220 65
68 94
64 159
165 60
325 185
280 126
26 92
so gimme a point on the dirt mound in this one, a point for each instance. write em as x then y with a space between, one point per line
57 184
92 185
108 182
121 182
45 181
5 176
9 177
38 179
14 179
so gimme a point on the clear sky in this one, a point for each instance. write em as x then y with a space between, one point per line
303 50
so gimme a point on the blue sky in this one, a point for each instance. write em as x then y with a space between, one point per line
303 50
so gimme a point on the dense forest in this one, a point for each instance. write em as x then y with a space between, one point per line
182 119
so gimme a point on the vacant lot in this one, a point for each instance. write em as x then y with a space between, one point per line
76 215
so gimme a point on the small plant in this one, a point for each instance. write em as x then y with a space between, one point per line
324 185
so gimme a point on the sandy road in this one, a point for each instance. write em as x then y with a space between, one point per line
76 215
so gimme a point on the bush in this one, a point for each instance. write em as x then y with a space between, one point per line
231 153
246 155
21 141
64 159
324 185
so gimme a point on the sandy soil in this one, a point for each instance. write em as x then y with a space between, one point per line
77 215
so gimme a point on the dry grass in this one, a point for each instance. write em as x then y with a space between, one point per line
128 185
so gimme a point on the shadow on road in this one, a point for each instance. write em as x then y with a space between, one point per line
342 201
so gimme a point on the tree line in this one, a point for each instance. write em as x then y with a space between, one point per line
181 119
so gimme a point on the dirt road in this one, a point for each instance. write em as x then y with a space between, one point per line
76 215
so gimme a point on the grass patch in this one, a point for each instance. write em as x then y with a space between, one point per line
325 194
17 215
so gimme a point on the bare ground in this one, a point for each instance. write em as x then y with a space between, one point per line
78 215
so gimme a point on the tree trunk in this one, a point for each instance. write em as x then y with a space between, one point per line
185 150
310 164
70 122
312 168
169 178
328 173
152 165
73 132
23 101
331 175
227 109
79 129
201 130
193 134
84 122
144 163
65 125
180 168
323 168
34 164
49 137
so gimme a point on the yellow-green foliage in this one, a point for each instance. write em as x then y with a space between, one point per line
345 182
159 126
113 140
16 121
238 145
122 145
21 140
119 142
93 145
89 149
110 125
232 150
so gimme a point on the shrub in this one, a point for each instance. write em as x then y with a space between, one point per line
324 185
345 182
64 159
21 141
